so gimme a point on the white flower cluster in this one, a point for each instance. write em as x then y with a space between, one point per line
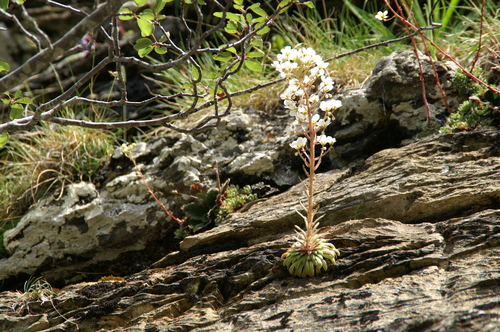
309 87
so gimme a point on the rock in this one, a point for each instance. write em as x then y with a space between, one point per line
79 231
389 108
418 228
96 224
97 231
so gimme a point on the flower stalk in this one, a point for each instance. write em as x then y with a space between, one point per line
308 99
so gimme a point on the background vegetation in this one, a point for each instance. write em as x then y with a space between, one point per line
41 160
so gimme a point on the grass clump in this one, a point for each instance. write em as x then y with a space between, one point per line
35 289
35 164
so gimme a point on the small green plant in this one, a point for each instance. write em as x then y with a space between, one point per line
35 289
308 99
213 206
465 85
478 111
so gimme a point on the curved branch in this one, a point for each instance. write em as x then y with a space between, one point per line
41 60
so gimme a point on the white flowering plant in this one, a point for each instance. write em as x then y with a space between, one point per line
308 98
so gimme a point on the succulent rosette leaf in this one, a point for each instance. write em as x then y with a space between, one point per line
303 260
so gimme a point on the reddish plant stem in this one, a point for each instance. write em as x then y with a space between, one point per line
312 174
152 193
468 73
480 42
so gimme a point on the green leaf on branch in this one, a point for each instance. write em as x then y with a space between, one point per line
4 4
20 2
18 94
308 4
223 56
4 66
260 20
16 111
231 27
257 10
257 43
142 43
125 14
147 14
283 6
24 100
146 27
140 2
253 65
4 137
160 49
284 3
263 31
229 16
144 51
254 55
160 5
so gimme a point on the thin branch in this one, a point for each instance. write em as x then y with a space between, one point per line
35 27
385 43
480 42
41 60
70 8
28 34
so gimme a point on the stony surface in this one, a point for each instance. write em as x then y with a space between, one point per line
389 107
101 227
418 228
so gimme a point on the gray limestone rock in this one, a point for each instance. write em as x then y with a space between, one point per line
418 228
115 225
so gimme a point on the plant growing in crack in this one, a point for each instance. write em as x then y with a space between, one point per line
308 99
37 289
211 206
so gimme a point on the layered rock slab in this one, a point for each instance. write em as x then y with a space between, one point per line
115 226
426 262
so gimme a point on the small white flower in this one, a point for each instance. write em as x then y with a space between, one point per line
382 16
290 130
329 105
315 118
320 64
314 99
324 123
288 94
299 143
326 84
289 104
323 140
301 117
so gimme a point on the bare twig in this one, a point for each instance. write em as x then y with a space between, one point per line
480 42
41 60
